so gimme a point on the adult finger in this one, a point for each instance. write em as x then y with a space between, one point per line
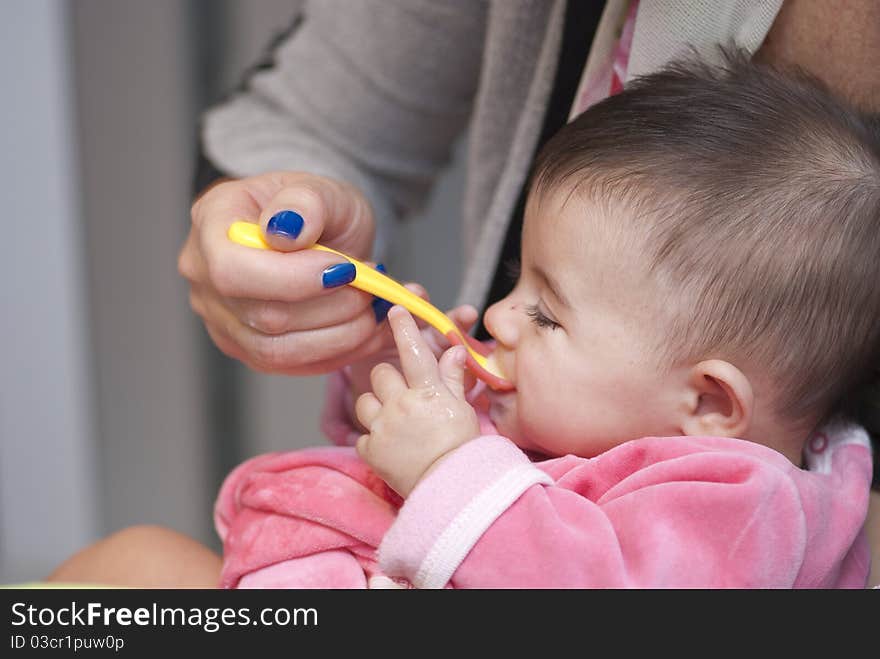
224 203
305 209
416 359
244 272
273 317
292 351
190 261
237 271
223 343
463 317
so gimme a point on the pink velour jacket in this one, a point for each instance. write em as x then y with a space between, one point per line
655 512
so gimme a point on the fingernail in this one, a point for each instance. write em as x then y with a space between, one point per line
338 275
380 305
285 223
380 308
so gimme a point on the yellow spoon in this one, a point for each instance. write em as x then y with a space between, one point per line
367 279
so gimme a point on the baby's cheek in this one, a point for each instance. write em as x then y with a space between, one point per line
531 427
501 420
546 429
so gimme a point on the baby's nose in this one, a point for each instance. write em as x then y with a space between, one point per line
499 321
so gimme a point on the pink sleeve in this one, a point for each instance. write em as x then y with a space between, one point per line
336 417
447 511
307 518
657 512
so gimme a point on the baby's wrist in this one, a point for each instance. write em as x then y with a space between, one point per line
432 466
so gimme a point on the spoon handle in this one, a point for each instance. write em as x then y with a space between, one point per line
366 279
372 281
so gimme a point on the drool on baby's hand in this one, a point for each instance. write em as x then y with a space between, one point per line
464 317
416 417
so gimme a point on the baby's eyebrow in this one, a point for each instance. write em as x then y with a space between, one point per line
551 284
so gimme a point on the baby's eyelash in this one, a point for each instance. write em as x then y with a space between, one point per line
539 318
512 268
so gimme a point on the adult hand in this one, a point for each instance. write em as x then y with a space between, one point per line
284 311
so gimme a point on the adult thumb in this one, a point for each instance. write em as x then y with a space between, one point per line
307 209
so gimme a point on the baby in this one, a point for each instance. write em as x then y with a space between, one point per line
696 309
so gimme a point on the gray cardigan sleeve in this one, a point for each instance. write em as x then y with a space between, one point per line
373 92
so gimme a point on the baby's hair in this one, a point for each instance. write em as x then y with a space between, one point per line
757 196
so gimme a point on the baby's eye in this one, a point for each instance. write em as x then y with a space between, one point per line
533 312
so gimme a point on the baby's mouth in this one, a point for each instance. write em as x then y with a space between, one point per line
497 360
482 361
499 400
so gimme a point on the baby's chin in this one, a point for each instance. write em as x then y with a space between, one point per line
511 431
531 449
502 413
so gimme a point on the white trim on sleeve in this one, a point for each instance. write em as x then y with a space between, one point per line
468 526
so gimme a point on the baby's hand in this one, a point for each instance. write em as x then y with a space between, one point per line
359 373
415 418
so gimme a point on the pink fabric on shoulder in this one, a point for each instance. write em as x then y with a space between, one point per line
656 512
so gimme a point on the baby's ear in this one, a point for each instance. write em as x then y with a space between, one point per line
720 401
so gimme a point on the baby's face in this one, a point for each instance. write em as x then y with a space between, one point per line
577 335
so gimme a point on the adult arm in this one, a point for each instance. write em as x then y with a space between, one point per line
839 42
348 129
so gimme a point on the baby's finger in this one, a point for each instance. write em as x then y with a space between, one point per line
452 370
367 408
416 359
464 316
387 382
362 446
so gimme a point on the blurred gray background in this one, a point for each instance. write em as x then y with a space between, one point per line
115 409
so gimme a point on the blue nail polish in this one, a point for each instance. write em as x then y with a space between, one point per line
285 223
380 305
338 275
380 308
